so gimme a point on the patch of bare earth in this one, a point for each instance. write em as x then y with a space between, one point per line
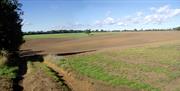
78 83
37 80
6 84
173 85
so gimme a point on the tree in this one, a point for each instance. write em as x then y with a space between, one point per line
88 31
97 30
135 29
11 36
177 28
102 30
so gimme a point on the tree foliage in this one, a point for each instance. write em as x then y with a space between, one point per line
11 36
177 28
88 31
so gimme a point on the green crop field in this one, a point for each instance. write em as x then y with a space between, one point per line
70 35
64 35
144 68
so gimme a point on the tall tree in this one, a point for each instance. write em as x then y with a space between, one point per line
11 36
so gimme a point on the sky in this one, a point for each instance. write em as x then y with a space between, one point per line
99 14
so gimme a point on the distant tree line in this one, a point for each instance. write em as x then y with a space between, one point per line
52 32
88 31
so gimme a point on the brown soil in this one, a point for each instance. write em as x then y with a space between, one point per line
172 85
6 84
123 39
37 80
77 83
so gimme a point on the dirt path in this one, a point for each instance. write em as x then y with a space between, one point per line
6 84
36 79
33 75
84 83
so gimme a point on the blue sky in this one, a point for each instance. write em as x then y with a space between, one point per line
100 14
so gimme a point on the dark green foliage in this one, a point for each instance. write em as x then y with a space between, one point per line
11 36
135 29
52 32
177 28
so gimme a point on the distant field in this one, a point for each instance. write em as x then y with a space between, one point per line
143 68
67 43
63 35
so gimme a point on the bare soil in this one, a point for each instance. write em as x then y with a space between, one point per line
123 39
6 84
37 80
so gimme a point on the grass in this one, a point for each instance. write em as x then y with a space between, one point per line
8 72
69 35
50 73
145 68
63 35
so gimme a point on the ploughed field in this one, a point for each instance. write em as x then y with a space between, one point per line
125 61
70 43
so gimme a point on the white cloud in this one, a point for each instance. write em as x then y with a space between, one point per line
152 8
163 9
27 23
174 12
121 24
139 13
106 21
155 15
109 20
161 14
155 18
